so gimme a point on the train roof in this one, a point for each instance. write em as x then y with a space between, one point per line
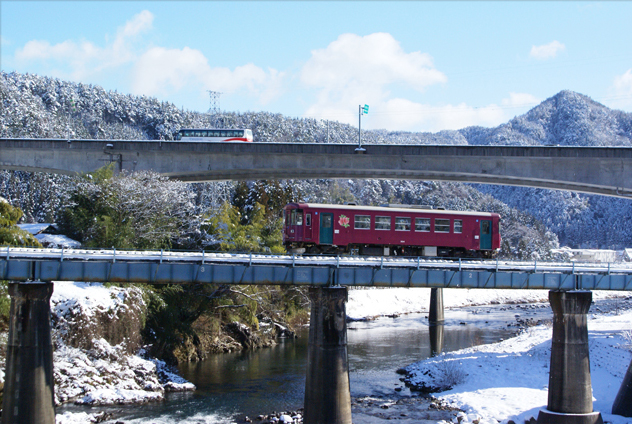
392 208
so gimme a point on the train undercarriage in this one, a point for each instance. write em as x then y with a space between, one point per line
382 250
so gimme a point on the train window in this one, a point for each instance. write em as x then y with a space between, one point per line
299 217
458 226
188 133
402 224
442 225
326 221
308 219
239 133
215 134
222 133
293 217
382 222
485 228
362 222
422 224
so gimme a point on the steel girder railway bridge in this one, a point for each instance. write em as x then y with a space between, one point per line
29 387
166 267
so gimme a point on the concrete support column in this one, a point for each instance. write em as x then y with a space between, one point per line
435 316
436 339
623 402
29 384
327 395
570 388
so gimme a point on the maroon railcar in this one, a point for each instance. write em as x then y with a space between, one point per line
394 230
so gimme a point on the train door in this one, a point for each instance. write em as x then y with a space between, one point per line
294 225
308 226
326 228
298 224
486 234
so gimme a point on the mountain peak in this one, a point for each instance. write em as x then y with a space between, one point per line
566 119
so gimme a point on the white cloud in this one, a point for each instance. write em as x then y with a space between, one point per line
82 59
355 70
517 100
375 59
156 70
623 83
161 71
621 91
406 115
139 23
547 51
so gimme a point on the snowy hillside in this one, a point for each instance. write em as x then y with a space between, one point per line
36 106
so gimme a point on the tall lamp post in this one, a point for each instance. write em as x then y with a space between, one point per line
362 110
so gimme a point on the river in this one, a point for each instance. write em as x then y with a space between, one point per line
234 385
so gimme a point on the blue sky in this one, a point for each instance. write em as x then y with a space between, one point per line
420 65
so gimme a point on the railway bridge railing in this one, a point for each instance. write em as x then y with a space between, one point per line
168 267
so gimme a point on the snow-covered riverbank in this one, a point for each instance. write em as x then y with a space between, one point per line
508 380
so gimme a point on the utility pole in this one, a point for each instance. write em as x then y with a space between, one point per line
71 107
361 111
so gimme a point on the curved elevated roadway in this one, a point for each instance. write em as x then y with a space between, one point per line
597 170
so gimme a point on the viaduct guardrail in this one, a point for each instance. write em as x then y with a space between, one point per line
597 170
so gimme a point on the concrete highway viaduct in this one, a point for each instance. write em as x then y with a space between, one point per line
596 170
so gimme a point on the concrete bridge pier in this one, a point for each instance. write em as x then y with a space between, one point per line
29 384
435 315
570 388
623 402
436 339
327 394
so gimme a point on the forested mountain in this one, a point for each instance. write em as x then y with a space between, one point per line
36 106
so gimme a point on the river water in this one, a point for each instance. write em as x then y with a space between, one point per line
231 386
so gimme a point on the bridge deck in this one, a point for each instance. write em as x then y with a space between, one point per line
598 170
158 267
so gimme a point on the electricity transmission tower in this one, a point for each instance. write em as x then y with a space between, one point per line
214 110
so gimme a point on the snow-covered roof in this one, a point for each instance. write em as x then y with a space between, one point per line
57 241
36 228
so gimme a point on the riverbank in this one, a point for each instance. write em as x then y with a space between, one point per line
499 382
508 381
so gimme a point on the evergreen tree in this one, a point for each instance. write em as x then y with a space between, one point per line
10 233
